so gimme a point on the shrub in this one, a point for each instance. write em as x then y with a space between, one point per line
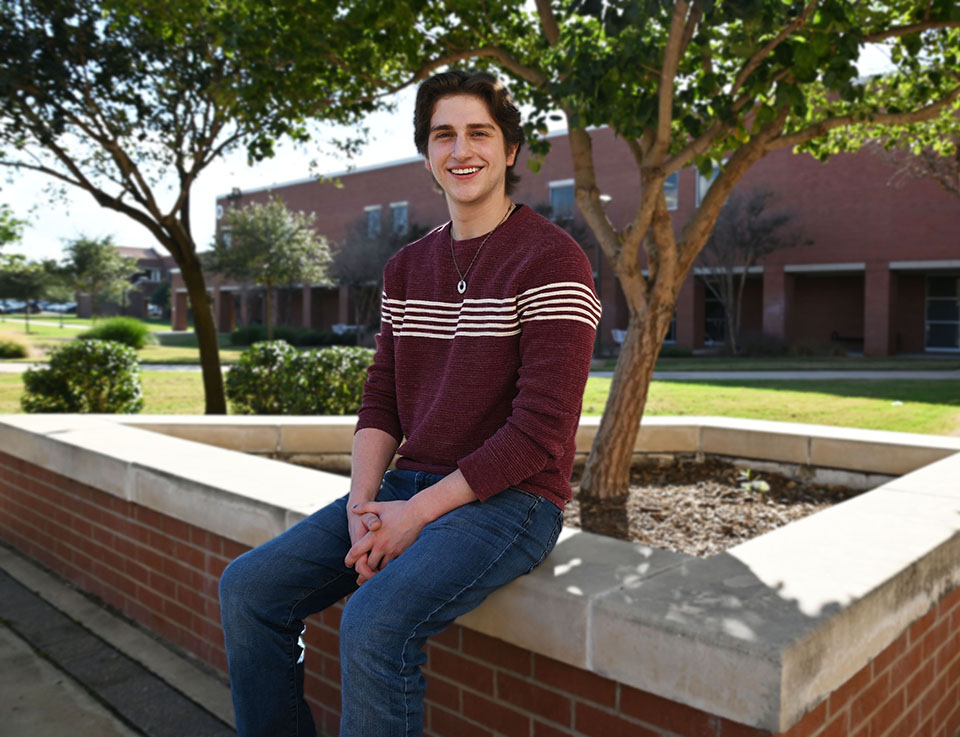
12 349
674 351
274 378
294 336
86 376
126 330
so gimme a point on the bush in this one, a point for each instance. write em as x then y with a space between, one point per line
86 376
12 349
126 330
302 337
272 377
674 351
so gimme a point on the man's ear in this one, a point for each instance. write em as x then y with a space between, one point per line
426 163
512 154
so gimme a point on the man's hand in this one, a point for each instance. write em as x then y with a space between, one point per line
399 525
359 525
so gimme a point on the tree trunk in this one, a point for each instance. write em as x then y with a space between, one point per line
606 477
206 330
268 311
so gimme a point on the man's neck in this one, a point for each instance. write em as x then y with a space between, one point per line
478 219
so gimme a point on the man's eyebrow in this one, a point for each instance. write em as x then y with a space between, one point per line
470 126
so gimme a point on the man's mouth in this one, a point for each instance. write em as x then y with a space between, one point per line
466 170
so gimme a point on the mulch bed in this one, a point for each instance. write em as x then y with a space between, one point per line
704 508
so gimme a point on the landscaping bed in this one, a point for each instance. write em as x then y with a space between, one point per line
702 508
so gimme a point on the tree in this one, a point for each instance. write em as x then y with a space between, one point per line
131 101
943 167
706 83
11 229
359 261
26 281
161 296
94 266
267 244
746 230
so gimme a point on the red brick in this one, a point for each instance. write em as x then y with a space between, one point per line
949 603
595 722
495 715
331 721
943 712
160 584
214 565
177 613
497 652
323 692
449 638
189 555
907 724
931 698
667 714
541 701
176 528
446 724
331 617
891 654
887 714
191 599
443 693
947 652
919 628
545 730
232 549
726 728
920 681
926 729
870 699
330 668
935 637
175 569
457 668
581 683
810 722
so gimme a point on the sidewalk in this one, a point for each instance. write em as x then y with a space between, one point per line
70 667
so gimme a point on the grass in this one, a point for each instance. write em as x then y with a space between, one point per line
921 406
178 347
930 407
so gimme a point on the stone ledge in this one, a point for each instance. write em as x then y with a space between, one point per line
759 634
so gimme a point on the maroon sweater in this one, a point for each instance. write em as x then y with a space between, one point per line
491 381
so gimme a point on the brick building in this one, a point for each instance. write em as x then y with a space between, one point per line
153 269
882 274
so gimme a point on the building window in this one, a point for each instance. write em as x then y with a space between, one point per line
373 220
561 201
943 313
398 218
154 274
704 183
671 190
715 318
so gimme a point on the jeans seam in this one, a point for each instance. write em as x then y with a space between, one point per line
403 649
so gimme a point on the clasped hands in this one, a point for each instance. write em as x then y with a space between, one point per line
380 532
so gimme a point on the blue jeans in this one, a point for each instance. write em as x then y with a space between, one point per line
454 564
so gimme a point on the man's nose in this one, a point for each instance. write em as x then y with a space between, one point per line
462 147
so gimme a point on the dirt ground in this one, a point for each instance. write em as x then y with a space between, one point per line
704 508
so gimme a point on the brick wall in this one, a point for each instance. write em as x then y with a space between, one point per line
163 573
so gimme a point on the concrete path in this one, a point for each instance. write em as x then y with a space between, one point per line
70 667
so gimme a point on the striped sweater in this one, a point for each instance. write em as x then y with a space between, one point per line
490 381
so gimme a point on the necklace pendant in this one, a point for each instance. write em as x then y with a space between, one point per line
461 286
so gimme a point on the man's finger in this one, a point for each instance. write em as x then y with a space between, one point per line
361 547
364 570
371 521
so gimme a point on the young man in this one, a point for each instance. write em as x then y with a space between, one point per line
486 336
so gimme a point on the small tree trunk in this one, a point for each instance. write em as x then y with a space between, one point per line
268 311
606 477
206 330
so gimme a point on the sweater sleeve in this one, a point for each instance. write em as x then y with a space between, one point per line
559 312
379 406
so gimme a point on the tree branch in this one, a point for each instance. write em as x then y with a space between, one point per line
671 60
907 30
757 59
548 21
824 126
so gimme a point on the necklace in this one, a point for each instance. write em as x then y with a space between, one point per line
462 284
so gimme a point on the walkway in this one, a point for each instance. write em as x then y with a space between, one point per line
69 667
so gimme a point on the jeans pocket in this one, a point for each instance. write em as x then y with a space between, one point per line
552 540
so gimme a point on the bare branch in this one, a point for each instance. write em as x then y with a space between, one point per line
548 21
908 30
824 126
757 59
691 26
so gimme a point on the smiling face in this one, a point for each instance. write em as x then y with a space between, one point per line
467 154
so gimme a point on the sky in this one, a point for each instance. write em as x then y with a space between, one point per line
52 224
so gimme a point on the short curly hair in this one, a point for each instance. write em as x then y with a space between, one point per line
488 88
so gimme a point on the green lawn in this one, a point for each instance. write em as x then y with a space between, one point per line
931 407
923 406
